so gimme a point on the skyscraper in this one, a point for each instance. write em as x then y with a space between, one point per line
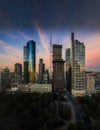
41 70
57 52
68 70
77 67
5 82
29 62
58 68
18 73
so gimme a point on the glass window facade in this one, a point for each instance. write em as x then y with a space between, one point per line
77 65
29 62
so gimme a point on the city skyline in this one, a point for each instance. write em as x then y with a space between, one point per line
22 21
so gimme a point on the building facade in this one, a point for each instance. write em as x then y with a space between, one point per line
5 81
58 68
90 83
41 70
18 73
46 78
68 70
29 62
77 67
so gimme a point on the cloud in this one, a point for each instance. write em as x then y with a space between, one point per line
24 35
10 56
93 50
45 44
44 40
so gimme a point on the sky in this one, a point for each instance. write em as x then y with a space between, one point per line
23 20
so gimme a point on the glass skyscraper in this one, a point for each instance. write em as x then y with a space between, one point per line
29 62
77 67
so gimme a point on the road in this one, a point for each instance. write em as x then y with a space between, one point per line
77 108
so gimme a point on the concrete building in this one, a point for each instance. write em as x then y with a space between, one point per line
58 68
90 83
18 73
77 67
30 62
29 88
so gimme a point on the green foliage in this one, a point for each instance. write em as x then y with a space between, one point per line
30 111
91 107
76 126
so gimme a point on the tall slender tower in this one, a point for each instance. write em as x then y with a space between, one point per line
58 68
68 70
29 62
18 73
77 67
41 70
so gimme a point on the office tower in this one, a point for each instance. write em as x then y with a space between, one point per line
18 73
77 67
90 82
41 70
57 52
68 70
58 68
29 62
5 83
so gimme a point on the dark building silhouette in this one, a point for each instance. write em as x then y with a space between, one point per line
18 73
68 70
29 62
41 70
58 68
5 81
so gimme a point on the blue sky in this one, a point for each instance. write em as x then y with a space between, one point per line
23 20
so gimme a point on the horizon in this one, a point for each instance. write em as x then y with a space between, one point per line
24 20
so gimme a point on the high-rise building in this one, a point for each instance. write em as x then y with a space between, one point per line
41 70
77 67
29 62
18 73
5 82
68 70
57 52
90 82
58 68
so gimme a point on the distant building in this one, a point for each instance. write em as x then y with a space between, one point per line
77 67
41 70
90 82
46 78
12 78
5 82
58 68
97 81
68 70
18 73
28 88
30 62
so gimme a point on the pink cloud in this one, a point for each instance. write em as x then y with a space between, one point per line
11 56
45 44
93 50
